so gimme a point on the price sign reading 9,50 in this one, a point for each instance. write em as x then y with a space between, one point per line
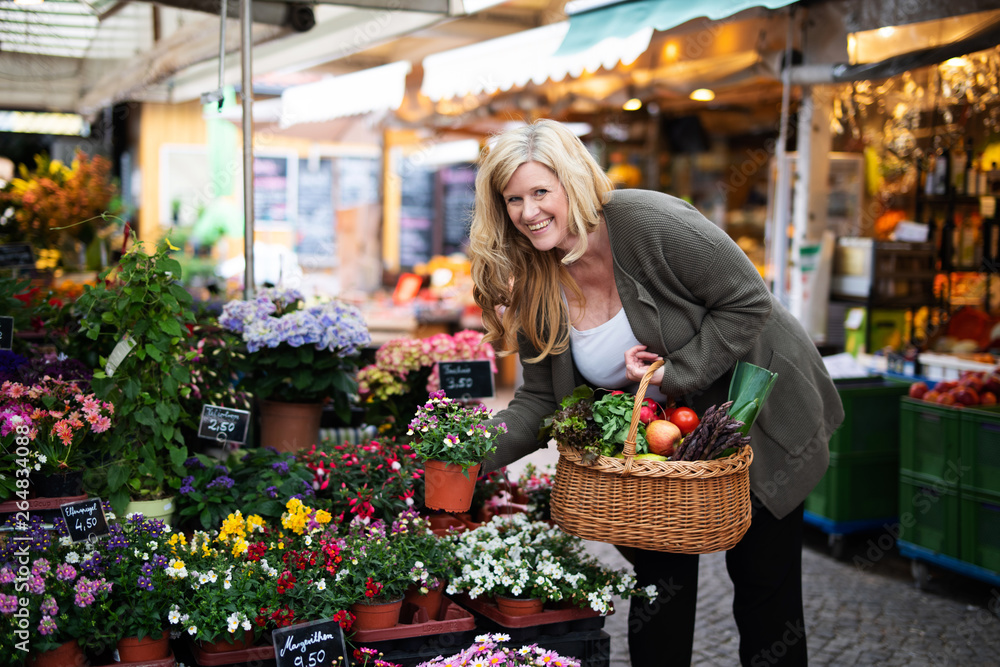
313 644
227 424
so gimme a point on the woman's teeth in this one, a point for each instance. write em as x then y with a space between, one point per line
539 225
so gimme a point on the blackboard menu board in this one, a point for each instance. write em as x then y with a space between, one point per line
84 519
270 189
311 644
416 217
358 181
16 255
459 197
466 379
315 233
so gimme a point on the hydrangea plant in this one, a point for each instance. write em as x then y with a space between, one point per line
307 353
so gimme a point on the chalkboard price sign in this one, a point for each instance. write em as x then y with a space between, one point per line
16 255
218 423
6 332
466 379
84 519
313 644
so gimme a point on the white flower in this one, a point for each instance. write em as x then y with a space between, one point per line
651 591
227 584
308 540
193 630
72 558
212 576
409 502
396 465
42 458
419 565
321 585
246 624
174 616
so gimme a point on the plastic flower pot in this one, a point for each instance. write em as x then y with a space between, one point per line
131 649
377 616
68 654
449 487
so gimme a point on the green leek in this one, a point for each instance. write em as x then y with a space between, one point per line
748 390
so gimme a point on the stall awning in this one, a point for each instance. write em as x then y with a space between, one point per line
620 20
375 89
529 56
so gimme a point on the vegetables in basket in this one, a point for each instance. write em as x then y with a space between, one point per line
598 427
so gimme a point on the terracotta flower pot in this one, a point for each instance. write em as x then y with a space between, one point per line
289 427
429 601
449 487
234 642
131 649
519 606
65 655
376 616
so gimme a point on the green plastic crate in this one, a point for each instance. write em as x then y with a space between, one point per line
929 514
980 451
871 416
929 440
981 530
857 487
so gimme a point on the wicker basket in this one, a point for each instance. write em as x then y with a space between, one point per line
691 507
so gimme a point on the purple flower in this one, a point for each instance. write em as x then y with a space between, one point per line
224 481
147 569
65 572
47 626
281 467
7 575
187 485
160 561
193 462
40 566
8 603
272 491
49 606
145 583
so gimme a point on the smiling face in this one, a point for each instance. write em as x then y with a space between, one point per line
536 203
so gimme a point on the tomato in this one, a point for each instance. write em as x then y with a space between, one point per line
686 419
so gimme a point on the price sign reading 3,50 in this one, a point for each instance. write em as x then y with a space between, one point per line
466 379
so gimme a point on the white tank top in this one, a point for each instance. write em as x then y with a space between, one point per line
599 355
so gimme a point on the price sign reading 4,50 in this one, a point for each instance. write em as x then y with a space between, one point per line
466 379
85 519
313 644
228 424
6 332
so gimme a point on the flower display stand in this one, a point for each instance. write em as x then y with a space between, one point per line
169 661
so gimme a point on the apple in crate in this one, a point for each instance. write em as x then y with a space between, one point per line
662 436
918 389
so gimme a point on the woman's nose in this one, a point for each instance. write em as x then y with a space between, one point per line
530 209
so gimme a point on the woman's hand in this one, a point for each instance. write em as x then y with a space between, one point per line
637 362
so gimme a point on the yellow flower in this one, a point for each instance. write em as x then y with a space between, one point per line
323 517
255 523
178 565
232 526
240 546
293 504
281 545
171 245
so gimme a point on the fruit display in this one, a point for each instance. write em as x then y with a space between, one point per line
970 389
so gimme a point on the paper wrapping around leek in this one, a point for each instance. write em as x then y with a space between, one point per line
748 390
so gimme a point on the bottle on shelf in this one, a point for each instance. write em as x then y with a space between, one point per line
968 180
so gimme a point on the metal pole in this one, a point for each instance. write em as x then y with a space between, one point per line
246 47
784 185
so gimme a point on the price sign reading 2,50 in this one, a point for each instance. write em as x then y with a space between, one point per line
215 425
219 423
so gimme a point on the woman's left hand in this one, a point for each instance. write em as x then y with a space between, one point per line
638 361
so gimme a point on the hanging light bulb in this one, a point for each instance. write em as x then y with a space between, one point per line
702 95
634 104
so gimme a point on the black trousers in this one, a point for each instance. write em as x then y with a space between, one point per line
766 571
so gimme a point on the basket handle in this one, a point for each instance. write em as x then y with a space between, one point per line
633 428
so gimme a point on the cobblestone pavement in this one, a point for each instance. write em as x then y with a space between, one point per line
868 615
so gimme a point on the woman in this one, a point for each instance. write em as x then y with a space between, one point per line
591 285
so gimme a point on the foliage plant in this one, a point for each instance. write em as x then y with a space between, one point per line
448 430
136 561
296 352
371 480
54 195
490 649
211 358
405 373
512 556
145 303
61 422
59 596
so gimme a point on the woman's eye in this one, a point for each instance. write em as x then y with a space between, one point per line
512 200
540 193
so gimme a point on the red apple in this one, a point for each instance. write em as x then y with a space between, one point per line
918 389
662 436
988 398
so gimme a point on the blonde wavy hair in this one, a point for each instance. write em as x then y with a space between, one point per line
518 287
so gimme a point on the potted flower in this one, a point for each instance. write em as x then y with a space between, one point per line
52 596
59 425
136 560
405 372
139 317
490 649
431 558
453 438
224 584
375 573
297 356
518 561
372 480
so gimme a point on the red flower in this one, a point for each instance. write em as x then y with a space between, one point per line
372 588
